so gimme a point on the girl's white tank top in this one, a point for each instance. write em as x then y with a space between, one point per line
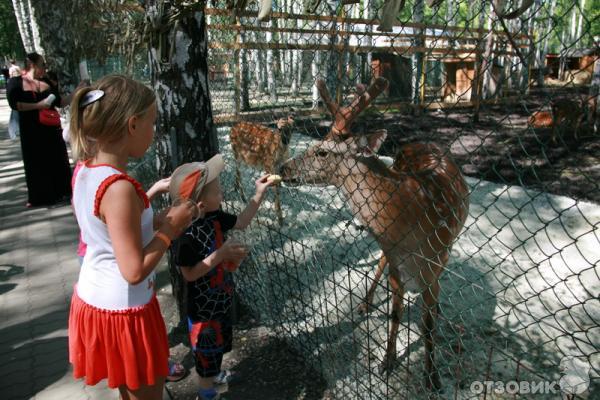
100 281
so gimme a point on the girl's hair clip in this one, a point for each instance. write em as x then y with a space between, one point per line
91 97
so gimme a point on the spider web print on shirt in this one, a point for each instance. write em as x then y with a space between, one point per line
209 298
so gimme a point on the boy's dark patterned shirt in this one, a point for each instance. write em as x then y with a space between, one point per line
206 299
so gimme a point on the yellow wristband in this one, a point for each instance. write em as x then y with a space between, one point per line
163 237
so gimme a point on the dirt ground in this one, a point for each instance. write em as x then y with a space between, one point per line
500 147
265 367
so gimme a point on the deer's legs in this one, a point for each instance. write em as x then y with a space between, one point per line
364 307
429 313
238 182
278 206
397 310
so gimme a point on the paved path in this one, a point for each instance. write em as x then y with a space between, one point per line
38 267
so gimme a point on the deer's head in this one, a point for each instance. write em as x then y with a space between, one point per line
341 153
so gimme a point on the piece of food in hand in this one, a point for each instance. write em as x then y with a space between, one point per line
275 179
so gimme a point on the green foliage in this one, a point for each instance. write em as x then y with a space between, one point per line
10 39
593 16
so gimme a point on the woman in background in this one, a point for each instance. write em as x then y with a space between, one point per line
45 159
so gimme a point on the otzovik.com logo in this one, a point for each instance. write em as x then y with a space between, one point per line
575 379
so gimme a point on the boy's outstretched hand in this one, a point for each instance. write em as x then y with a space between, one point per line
262 184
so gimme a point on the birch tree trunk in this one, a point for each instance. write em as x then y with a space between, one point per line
296 54
567 42
580 24
21 8
270 68
185 130
53 38
331 74
543 48
594 112
530 57
477 92
418 57
314 70
488 61
35 31
260 70
369 12
244 78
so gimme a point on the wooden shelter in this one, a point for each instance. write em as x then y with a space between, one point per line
458 76
577 61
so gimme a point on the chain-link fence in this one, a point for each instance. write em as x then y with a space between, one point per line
504 89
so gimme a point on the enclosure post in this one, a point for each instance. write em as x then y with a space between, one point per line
340 63
237 70
594 111
476 91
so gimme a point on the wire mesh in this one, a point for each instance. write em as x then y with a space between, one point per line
513 101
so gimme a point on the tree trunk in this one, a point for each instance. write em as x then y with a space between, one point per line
531 27
594 112
296 54
477 91
270 67
418 58
370 11
543 48
331 73
21 8
260 66
53 38
567 42
185 130
314 69
244 78
488 59
580 24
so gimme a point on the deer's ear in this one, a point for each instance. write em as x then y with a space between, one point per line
376 139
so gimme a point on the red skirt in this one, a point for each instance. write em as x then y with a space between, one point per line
128 347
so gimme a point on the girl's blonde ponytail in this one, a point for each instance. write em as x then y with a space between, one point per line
79 142
106 118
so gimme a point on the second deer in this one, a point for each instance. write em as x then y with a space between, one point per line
567 118
261 147
414 209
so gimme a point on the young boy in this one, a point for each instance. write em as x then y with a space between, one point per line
207 261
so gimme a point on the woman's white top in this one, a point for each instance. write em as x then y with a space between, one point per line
100 281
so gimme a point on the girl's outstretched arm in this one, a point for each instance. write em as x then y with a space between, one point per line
121 209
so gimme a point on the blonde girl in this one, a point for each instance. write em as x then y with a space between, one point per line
116 330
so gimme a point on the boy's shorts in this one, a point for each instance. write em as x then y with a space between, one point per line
210 340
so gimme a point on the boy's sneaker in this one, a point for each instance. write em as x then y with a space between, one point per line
225 376
208 394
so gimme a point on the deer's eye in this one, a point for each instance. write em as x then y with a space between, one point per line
322 153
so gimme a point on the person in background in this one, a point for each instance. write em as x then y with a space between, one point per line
45 159
14 71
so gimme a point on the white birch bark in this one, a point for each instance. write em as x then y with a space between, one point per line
417 58
542 50
270 64
580 24
21 8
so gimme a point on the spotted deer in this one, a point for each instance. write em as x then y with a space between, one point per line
567 118
415 208
261 147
